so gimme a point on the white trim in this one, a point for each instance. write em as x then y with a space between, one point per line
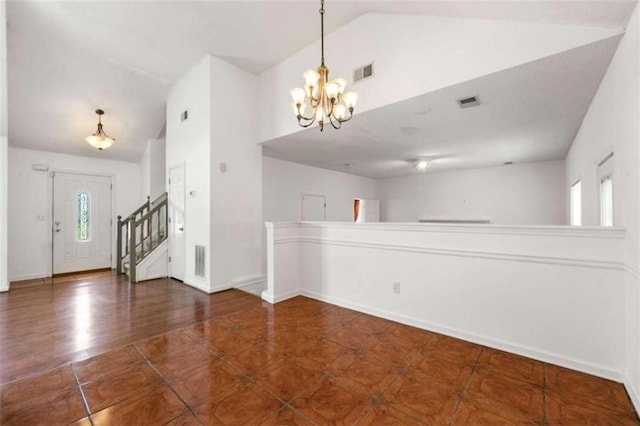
195 285
246 282
281 297
633 394
525 258
547 231
632 270
29 277
586 367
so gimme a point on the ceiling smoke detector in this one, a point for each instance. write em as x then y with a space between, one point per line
468 102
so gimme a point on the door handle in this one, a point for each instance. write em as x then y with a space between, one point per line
181 228
57 226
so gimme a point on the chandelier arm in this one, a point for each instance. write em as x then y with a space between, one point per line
337 124
308 124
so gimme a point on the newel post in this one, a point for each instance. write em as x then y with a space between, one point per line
132 249
119 246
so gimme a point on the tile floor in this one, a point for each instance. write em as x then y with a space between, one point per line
305 362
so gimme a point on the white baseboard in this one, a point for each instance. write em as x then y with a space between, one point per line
28 277
633 394
528 352
280 298
246 282
197 286
3 289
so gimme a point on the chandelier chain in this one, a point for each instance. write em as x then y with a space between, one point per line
322 31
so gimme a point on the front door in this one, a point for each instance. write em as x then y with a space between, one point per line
81 222
176 222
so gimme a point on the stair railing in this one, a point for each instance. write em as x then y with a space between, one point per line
140 233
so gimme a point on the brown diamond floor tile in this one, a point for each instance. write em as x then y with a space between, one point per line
512 365
185 419
212 381
448 371
389 354
286 417
471 412
407 337
508 393
366 375
208 330
289 377
385 415
82 422
563 410
113 388
289 340
248 404
368 322
181 362
62 407
164 345
455 348
257 358
107 363
326 354
327 402
591 389
422 398
154 406
353 337
52 382
230 343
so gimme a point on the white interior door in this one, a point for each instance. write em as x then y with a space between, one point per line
176 222
81 222
313 207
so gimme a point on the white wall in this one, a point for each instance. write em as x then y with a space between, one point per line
30 196
4 281
284 182
526 194
223 209
189 144
612 123
236 194
546 292
153 168
463 49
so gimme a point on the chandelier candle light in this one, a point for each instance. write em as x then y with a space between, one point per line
99 139
326 98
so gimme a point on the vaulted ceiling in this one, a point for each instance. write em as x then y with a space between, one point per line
67 58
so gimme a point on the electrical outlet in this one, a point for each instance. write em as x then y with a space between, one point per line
396 287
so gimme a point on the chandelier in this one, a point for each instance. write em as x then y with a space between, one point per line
99 139
327 99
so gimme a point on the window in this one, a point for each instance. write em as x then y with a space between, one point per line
84 216
576 204
605 178
606 201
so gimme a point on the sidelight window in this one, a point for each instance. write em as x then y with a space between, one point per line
84 216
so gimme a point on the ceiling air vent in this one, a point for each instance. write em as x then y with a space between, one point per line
363 72
468 102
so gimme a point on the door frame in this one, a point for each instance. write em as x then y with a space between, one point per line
50 195
182 164
324 209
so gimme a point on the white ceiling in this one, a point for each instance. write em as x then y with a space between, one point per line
68 58
528 113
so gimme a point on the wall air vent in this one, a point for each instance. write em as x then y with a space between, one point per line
468 102
199 261
363 72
